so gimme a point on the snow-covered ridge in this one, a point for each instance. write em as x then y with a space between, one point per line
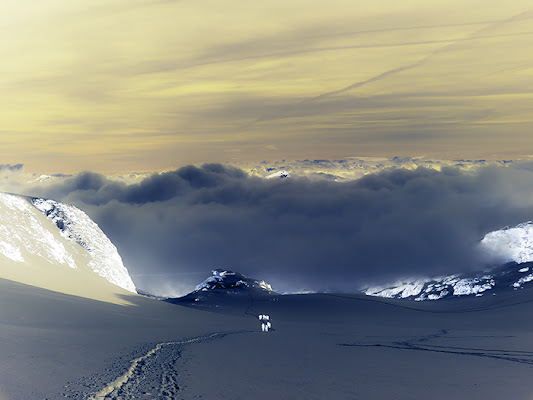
512 245
436 288
510 276
73 240
76 226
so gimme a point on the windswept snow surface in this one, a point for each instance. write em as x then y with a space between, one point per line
324 346
76 226
155 365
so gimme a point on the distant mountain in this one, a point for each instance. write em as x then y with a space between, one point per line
511 276
224 282
513 245
280 174
39 238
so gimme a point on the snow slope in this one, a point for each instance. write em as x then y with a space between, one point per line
39 238
21 233
76 226
323 346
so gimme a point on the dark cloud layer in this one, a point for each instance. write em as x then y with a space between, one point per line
299 234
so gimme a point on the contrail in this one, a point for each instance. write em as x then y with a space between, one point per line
155 69
326 49
450 43
370 80
472 36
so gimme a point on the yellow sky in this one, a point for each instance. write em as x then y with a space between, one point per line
111 85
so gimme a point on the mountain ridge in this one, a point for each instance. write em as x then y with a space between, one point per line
511 244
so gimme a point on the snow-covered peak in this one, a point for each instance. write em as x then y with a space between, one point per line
280 174
226 285
224 279
41 178
76 226
510 243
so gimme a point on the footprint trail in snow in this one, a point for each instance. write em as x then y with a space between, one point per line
154 374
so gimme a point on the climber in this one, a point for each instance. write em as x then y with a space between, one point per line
265 322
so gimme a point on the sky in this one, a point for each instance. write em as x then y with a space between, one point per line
210 96
152 85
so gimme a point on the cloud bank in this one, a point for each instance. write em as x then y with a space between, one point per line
299 234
